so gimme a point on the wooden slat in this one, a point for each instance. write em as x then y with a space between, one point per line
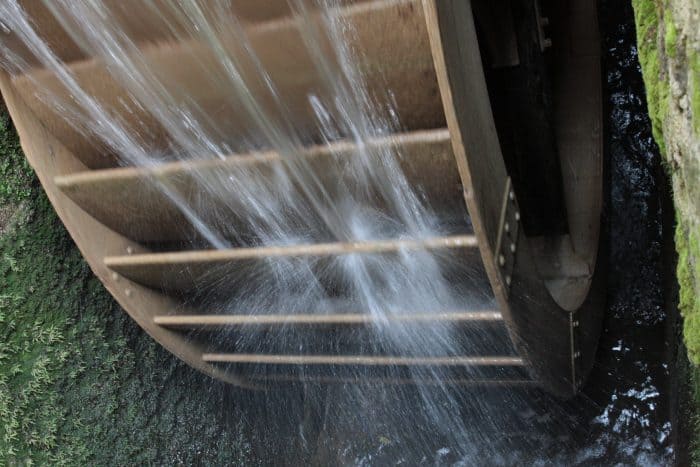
364 360
373 380
146 27
219 321
390 35
468 112
316 249
132 200
182 270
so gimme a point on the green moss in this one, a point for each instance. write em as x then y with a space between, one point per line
653 53
671 36
694 68
689 409
647 17
14 170
80 383
688 246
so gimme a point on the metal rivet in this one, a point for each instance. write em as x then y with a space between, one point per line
547 43
127 292
577 354
511 195
501 260
508 280
129 250
512 248
506 227
115 276
575 324
517 216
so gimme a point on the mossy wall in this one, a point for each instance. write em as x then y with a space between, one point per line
668 36
668 41
80 383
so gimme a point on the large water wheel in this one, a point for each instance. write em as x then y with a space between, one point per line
502 109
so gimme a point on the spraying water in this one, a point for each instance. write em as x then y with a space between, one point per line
314 166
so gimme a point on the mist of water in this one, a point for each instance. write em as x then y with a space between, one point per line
239 111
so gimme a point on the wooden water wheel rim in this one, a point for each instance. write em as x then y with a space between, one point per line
549 290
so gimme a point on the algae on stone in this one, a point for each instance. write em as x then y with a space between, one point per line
668 41
647 14
669 52
80 383
688 245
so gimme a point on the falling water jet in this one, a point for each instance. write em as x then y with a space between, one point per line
358 238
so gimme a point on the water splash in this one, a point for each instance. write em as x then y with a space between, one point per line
360 195
229 104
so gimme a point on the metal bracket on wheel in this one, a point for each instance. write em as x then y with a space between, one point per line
574 327
507 243
542 22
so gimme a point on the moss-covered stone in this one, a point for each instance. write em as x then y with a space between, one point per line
671 37
80 383
688 245
14 169
694 70
669 52
668 41
648 16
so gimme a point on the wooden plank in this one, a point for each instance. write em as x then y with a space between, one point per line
580 138
521 101
133 201
475 142
151 25
374 380
580 117
181 271
540 328
468 112
363 360
221 321
390 36
267 252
